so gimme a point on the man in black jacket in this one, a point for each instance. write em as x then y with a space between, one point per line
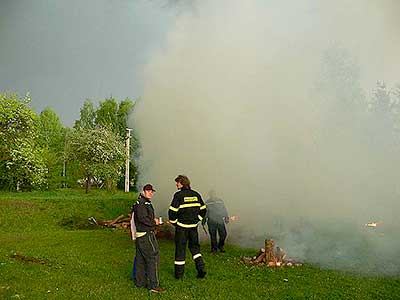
147 251
186 210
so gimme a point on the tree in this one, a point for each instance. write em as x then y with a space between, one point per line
124 109
17 119
100 154
106 115
52 140
25 167
112 115
21 163
87 117
383 114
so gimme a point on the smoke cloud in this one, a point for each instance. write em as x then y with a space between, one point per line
268 103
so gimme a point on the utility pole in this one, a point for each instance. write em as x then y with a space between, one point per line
127 144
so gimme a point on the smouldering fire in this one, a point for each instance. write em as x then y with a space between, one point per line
233 218
374 224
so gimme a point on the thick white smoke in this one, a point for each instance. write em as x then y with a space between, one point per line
266 102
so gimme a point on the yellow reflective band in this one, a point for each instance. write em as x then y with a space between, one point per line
190 199
189 205
140 234
203 207
200 217
173 208
173 221
197 255
187 225
180 263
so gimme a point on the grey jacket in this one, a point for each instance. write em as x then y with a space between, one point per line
216 211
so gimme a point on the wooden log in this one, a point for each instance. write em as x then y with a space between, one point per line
269 251
280 254
117 219
260 258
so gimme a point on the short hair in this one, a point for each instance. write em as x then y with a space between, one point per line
184 180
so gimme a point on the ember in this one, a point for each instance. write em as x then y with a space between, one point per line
233 218
270 256
373 224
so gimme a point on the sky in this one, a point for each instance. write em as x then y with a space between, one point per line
259 100
63 52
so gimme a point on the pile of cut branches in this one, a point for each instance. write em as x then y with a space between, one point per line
123 221
162 231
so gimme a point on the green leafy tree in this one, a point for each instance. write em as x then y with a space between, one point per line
87 116
25 167
21 162
107 115
99 153
52 140
113 115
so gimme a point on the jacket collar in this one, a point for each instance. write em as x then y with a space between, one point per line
143 199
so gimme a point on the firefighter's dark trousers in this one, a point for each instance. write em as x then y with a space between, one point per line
147 261
213 229
184 236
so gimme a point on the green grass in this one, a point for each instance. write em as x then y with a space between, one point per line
67 259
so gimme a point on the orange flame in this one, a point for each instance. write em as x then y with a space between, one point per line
233 218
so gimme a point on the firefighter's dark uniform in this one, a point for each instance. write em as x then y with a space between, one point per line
187 209
147 251
216 218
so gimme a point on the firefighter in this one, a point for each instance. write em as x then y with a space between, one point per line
147 251
216 218
187 209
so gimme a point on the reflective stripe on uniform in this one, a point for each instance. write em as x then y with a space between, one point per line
196 256
187 225
180 263
203 207
200 217
140 234
190 199
173 208
189 205
173 221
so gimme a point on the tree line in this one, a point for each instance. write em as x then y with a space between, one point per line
38 152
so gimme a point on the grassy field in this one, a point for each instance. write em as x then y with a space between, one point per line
48 251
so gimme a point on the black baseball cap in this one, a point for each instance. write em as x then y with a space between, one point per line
148 187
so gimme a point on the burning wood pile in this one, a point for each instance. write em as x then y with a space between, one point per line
270 256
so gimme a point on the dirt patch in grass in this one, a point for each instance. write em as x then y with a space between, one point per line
17 204
76 222
13 239
29 259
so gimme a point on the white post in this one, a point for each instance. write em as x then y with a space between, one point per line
127 144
